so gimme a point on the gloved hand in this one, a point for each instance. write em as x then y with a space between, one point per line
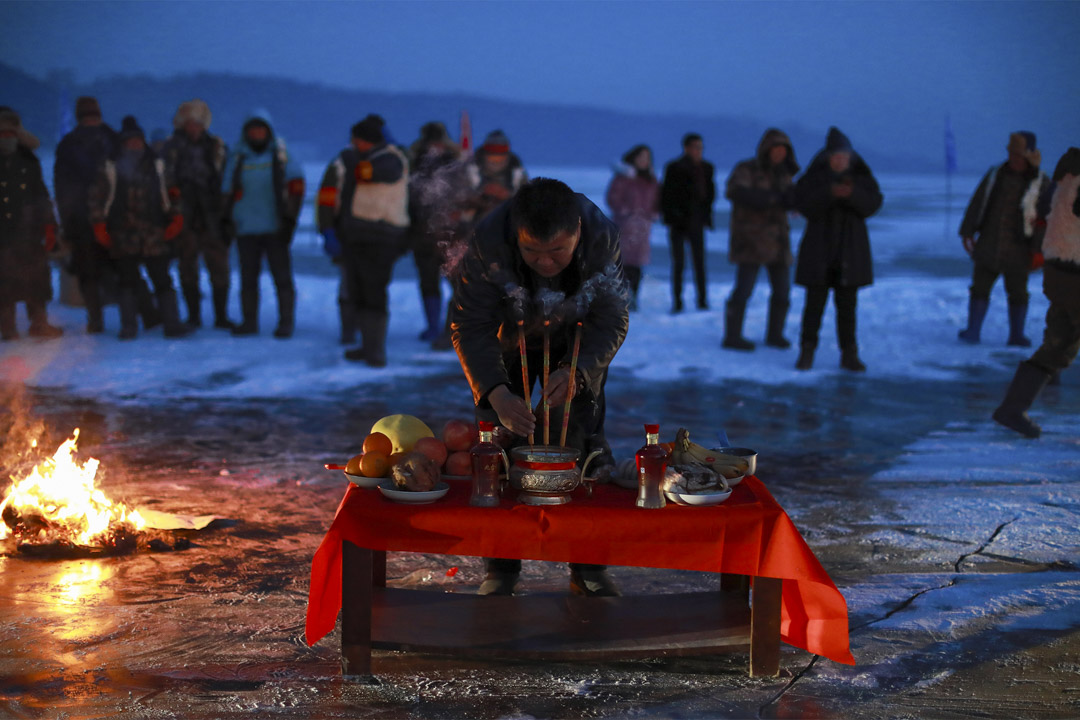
101 235
50 238
175 227
969 244
331 244
287 230
1037 260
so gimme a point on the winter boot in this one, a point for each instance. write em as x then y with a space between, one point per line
774 336
592 581
170 315
221 309
1017 318
147 304
734 314
95 321
806 357
1024 388
373 326
849 359
433 314
249 306
39 321
286 314
348 322
498 583
8 329
977 308
129 314
193 300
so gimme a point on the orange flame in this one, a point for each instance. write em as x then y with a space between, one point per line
61 492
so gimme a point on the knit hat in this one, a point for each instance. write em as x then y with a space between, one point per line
496 143
129 128
1023 142
370 129
434 132
9 120
837 141
193 110
87 106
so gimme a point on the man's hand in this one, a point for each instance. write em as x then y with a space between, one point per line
175 227
50 238
558 385
331 244
101 235
969 244
841 189
513 412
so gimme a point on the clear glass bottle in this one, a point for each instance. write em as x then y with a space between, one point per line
487 461
651 464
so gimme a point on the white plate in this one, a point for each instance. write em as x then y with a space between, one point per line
732 482
364 482
386 487
697 498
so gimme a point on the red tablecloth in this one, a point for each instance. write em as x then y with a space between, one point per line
749 534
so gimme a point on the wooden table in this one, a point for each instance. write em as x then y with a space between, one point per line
748 539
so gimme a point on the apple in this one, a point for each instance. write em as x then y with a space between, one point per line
458 463
459 435
433 448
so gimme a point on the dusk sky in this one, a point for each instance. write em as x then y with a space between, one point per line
868 66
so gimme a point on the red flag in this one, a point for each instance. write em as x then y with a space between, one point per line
466 133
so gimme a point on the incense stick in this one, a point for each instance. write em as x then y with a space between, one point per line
524 370
547 367
571 385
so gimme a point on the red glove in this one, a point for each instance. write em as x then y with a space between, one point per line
174 227
1036 260
101 235
296 187
50 238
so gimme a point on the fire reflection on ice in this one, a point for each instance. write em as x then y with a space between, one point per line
58 503
80 584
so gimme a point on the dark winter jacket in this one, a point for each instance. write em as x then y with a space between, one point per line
135 207
511 178
634 201
25 211
193 172
687 194
991 249
79 158
835 247
761 196
483 314
364 196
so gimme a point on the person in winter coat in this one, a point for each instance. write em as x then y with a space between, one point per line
264 188
1001 233
495 174
438 191
836 194
364 216
194 161
761 191
27 231
134 219
544 244
633 196
1061 285
686 199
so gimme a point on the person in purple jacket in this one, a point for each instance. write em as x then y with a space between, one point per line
634 200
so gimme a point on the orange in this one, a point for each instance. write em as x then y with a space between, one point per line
374 464
378 442
353 466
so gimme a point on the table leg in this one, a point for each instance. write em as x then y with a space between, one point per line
765 627
356 583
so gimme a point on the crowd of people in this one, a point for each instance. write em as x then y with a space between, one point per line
126 208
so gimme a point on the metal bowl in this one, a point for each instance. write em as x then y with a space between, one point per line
541 472
746 454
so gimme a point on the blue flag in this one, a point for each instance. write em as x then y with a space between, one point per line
950 147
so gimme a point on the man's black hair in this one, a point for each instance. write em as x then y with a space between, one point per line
689 138
545 208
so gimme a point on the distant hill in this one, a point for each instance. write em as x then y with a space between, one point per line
315 119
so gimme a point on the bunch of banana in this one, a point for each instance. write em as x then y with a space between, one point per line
687 452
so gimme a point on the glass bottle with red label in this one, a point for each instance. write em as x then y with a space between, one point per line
487 462
651 465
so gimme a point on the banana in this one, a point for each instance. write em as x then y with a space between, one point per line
730 466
